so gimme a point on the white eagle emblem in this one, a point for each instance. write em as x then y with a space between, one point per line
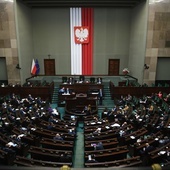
81 34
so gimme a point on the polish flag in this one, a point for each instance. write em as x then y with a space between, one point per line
33 67
81 31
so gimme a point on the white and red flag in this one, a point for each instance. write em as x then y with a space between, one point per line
81 31
35 68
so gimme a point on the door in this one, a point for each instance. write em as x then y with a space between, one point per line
49 67
113 67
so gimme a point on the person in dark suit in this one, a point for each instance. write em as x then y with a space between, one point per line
50 126
68 91
148 148
144 153
65 158
57 137
70 80
100 97
99 80
99 146
30 98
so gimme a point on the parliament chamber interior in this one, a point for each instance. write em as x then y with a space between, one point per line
109 122
85 84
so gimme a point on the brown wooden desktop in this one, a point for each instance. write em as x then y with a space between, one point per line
75 106
89 89
82 87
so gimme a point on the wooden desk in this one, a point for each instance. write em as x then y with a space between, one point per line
45 92
117 92
130 162
90 89
75 106
33 162
83 87
63 97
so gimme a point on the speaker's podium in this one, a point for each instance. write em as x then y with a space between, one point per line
75 106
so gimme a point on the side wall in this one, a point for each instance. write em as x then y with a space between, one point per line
138 41
25 42
158 37
8 41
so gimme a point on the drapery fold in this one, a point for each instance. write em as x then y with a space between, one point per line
81 54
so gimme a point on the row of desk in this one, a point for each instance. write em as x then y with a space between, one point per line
45 92
118 91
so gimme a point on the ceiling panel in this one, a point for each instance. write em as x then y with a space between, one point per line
82 3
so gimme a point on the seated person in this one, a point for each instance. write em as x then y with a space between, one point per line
139 140
105 112
99 80
148 148
126 108
67 91
128 98
81 79
151 109
72 131
87 109
70 80
167 98
62 90
163 141
160 94
99 146
91 159
50 126
97 131
30 98
90 137
65 158
57 137
143 100
122 133
64 80
167 158
92 80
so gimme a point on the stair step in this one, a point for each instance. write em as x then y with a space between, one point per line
55 94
